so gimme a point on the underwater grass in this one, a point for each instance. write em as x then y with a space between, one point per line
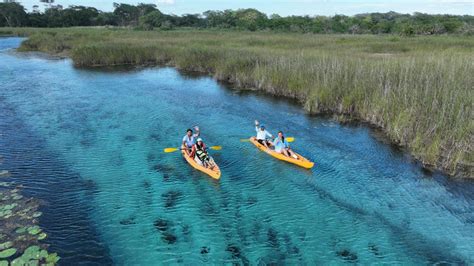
419 90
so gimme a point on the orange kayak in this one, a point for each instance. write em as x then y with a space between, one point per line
301 161
214 172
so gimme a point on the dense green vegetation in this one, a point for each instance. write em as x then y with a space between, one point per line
148 17
418 89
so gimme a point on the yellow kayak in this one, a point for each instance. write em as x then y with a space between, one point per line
214 172
301 161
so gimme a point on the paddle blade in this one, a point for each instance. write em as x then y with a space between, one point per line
290 139
216 148
168 150
244 140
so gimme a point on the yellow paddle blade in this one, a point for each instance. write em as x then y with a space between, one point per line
244 140
216 148
168 150
290 139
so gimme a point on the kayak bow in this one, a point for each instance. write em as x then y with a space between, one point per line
214 173
301 161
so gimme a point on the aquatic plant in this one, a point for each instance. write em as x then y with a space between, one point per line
418 90
171 198
20 234
7 253
4 173
347 255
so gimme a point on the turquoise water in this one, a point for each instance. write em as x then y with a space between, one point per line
104 131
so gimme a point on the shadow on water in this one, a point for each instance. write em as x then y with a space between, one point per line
65 213
416 243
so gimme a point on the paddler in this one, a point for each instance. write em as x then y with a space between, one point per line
189 139
199 152
282 146
262 135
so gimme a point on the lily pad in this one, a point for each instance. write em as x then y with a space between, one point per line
42 236
34 230
43 254
6 245
4 184
3 263
5 213
21 238
31 253
52 258
4 173
7 253
37 214
17 197
10 206
21 261
21 230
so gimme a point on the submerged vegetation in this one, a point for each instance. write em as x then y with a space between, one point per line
20 236
418 90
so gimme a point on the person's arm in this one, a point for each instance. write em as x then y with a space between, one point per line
276 141
184 141
268 134
193 151
196 128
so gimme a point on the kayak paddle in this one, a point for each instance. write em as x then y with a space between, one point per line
168 150
289 139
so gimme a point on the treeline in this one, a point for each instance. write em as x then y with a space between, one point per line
148 17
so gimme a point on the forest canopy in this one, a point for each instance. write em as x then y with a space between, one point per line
149 17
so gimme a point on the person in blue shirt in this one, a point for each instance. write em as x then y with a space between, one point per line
282 146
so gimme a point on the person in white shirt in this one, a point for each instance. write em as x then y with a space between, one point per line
263 134
190 139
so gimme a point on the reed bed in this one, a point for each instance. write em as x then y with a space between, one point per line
419 90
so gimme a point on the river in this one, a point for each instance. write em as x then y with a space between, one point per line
89 144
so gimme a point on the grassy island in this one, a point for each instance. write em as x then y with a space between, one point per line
419 90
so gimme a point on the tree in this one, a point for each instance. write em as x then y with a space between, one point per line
12 15
151 20
127 14
145 9
191 20
107 18
79 16
250 19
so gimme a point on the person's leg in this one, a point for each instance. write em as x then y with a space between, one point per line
205 160
212 162
292 154
285 152
198 161
267 144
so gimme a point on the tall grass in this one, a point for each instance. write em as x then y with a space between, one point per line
419 90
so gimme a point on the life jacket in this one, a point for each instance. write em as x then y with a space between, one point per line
201 152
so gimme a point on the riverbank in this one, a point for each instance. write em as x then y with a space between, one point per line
417 90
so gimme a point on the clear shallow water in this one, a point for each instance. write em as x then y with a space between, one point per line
93 141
